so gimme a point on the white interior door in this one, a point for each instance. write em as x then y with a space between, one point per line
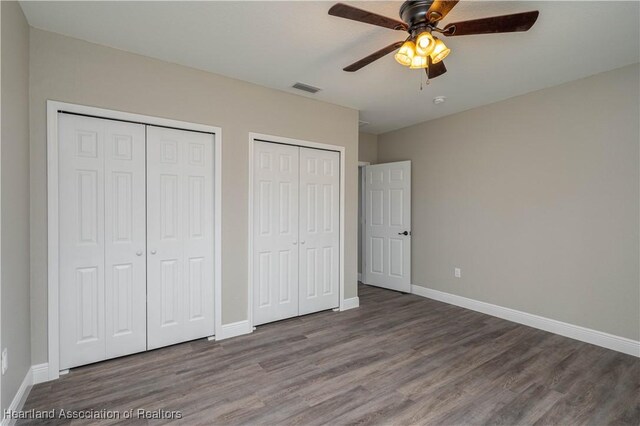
102 279
319 230
275 232
179 236
388 226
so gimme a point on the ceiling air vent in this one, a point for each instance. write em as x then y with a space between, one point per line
362 123
305 88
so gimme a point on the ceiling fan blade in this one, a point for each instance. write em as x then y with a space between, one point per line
439 9
349 12
496 24
434 70
373 57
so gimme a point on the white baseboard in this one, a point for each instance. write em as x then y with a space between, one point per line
40 373
351 303
20 397
599 338
234 329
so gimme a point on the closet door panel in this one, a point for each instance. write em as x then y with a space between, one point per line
179 236
81 291
319 230
125 239
101 278
198 238
81 180
275 229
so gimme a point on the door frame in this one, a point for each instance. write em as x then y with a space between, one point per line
2 415
361 216
253 137
53 255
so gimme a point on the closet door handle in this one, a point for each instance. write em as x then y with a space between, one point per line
153 252
295 243
139 253
301 242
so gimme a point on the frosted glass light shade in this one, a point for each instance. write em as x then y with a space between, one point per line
424 43
440 51
406 53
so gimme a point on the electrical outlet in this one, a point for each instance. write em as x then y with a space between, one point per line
457 272
5 361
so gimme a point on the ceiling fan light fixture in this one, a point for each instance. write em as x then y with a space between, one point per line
406 53
419 62
425 43
420 18
440 51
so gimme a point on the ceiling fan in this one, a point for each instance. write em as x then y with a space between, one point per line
420 18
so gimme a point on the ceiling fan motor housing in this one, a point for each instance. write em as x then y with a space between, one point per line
414 13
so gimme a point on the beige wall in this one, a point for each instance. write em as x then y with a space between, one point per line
536 198
367 147
70 70
15 201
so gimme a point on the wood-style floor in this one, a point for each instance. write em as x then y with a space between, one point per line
398 359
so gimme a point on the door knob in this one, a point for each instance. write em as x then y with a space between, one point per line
301 242
153 252
403 233
295 243
139 253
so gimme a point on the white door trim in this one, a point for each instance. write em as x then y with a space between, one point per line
307 144
1 415
53 107
361 217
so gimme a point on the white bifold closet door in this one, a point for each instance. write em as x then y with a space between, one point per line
179 236
295 231
275 229
319 230
102 239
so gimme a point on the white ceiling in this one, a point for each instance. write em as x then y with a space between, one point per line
276 44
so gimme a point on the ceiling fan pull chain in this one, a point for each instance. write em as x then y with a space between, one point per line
427 81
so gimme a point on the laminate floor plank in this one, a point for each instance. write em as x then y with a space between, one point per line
397 360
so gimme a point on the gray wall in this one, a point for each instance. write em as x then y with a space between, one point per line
367 152
536 198
15 201
70 70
